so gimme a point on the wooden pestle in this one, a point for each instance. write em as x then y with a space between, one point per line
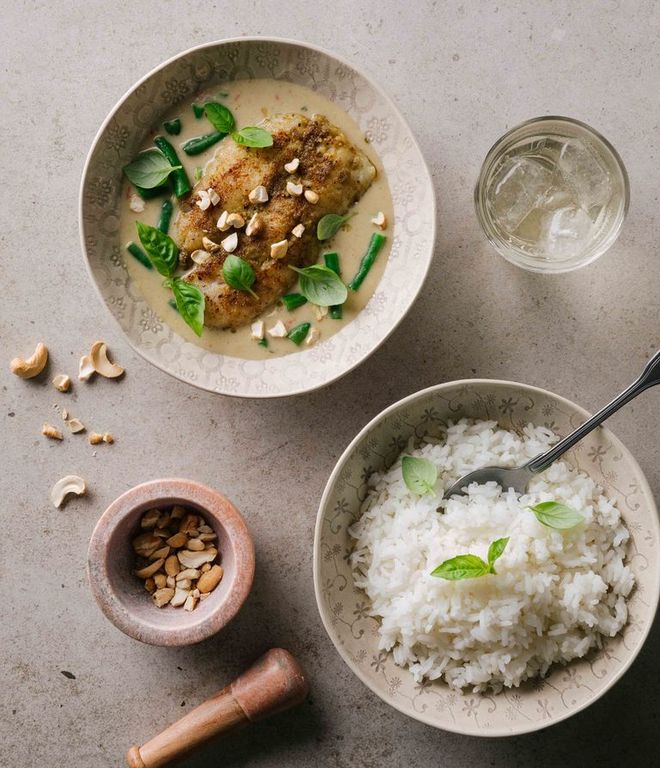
272 684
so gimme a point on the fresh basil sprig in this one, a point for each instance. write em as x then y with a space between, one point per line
161 249
252 136
149 169
220 117
321 286
471 566
330 224
239 274
552 514
419 475
190 303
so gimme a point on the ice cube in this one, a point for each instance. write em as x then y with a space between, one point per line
586 175
566 232
519 186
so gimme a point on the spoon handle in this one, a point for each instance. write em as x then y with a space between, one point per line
649 377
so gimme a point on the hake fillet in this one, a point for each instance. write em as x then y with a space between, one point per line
329 165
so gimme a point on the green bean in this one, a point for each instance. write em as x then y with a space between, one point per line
165 216
197 145
375 244
198 110
332 262
180 177
293 300
137 253
298 334
149 194
173 127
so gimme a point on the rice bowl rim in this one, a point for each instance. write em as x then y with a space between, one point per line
323 609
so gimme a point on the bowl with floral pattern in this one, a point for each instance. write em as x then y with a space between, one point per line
136 118
345 609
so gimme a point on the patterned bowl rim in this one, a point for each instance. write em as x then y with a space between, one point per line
340 371
324 611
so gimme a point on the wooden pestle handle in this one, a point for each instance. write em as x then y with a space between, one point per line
272 684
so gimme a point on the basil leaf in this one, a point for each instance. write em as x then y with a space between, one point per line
552 514
251 136
238 274
220 117
495 551
419 475
190 303
330 224
461 567
149 169
321 286
160 248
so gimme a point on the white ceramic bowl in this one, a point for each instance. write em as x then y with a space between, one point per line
124 131
343 607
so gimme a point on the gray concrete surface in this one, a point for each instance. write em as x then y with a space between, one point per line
462 73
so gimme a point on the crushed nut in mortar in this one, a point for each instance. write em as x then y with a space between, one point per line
176 555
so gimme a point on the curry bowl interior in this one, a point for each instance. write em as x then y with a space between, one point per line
344 608
134 119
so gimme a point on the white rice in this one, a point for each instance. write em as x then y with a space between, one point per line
555 594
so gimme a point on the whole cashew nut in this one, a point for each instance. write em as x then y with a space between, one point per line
65 486
32 366
98 355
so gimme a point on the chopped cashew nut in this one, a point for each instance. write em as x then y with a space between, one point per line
298 230
222 224
204 202
209 245
32 366
199 256
278 331
311 197
294 189
65 486
94 438
278 250
98 354
108 438
136 203
214 197
48 430
257 330
292 166
253 226
75 425
236 220
230 243
379 220
313 336
259 194
190 559
85 368
62 382
320 312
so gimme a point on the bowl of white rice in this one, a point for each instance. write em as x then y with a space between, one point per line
486 615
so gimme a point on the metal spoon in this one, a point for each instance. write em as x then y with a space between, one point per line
518 477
